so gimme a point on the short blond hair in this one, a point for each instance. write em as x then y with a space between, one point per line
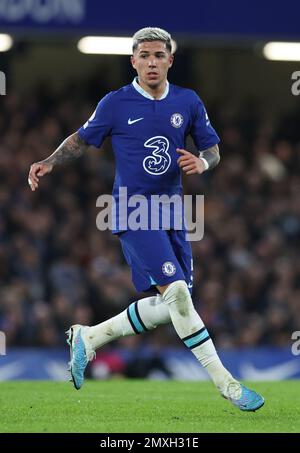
152 34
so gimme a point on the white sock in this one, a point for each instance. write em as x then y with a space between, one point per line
190 328
140 316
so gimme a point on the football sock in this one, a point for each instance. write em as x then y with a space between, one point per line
142 315
190 328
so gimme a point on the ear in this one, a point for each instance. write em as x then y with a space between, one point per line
132 59
171 60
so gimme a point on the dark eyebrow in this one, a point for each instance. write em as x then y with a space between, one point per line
158 52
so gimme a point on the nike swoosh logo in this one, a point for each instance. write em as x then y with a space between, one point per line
134 121
273 373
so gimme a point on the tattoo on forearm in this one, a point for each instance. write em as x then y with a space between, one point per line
211 155
71 148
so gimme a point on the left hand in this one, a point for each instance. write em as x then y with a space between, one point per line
190 163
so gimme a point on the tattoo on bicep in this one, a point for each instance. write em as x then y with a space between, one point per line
71 148
211 155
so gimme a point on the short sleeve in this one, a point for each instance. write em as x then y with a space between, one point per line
99 125
202 131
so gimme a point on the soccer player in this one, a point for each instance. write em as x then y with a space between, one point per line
148 122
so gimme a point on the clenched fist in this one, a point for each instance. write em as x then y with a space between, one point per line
190 163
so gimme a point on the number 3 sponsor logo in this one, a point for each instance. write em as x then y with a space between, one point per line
160 160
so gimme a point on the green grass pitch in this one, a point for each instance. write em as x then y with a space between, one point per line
132 406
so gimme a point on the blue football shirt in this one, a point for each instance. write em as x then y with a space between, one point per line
145 133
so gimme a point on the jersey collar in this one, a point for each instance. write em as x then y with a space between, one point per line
147 95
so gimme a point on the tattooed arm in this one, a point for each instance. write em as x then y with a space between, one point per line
71 148
211 157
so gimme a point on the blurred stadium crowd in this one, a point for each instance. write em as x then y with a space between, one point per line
57 269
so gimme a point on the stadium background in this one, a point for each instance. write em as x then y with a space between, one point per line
56 269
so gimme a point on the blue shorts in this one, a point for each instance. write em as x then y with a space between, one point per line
157 257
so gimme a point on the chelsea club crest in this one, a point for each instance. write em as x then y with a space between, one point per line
169 268
176 120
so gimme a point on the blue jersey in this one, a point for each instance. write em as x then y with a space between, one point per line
145 134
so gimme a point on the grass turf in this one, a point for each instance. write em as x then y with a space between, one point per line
132 406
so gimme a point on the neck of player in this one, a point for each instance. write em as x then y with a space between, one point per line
156 91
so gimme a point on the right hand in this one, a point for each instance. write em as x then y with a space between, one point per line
36 171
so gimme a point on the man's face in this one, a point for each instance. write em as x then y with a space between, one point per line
152 61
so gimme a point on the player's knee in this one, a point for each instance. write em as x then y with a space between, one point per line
179 296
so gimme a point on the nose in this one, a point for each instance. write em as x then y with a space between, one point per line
152 63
